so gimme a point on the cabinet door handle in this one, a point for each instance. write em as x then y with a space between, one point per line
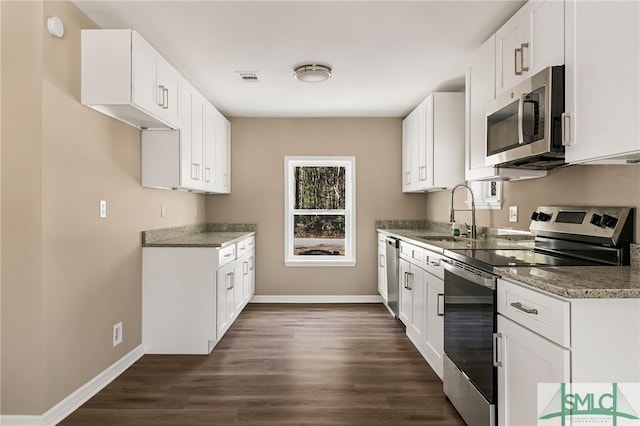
523 46
245 268
423 173
160 100
440 306
165 98
497 350
565 117
382 260
410 287
207 174
524 309
251 264
229 280
407 178
515 60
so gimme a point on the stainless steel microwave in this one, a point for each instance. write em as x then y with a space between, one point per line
523 125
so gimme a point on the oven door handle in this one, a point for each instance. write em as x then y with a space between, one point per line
477 276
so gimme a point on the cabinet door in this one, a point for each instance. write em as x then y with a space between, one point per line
408 130
382 272
527 359
510 41
433 336
209 147
405 301
546 35
252 275
223 154
145 90
169 82
602 81
480 90
415 327
226 281
426 143
197 138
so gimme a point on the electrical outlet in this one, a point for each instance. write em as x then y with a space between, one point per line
117 334
103 208
513 213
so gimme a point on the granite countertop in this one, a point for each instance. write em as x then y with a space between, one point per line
567 281
579 282
204 235
439 241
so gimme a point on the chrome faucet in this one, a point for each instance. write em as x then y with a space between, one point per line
452 211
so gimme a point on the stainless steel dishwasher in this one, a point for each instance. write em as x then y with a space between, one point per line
393 275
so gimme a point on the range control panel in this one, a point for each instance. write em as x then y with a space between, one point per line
598 222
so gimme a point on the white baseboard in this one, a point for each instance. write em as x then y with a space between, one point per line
72 402
21 421
315 299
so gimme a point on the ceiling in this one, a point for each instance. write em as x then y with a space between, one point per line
386 56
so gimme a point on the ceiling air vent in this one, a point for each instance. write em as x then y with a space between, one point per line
248 76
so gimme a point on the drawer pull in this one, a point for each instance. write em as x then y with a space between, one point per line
228 255
519 306
497 349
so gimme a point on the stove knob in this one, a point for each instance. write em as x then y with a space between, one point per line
534 216
596 220
543 217
609 221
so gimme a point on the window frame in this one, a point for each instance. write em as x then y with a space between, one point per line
349 259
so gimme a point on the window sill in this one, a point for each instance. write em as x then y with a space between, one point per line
320 263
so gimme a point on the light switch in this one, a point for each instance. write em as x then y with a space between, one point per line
103 208
513 213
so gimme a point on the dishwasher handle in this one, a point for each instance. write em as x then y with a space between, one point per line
470 273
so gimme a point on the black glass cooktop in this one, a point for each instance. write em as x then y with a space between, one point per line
488 258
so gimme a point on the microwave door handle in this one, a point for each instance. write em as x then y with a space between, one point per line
520 114
531 131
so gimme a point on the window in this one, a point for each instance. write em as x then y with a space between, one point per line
320 211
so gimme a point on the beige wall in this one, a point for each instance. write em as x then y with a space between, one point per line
573 185
258 150
67 276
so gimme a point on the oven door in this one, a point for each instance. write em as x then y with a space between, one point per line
469 325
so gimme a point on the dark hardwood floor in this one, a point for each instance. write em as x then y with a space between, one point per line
284 364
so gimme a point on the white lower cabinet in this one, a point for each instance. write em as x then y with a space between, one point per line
433 334
382 267
527 359
192 295
422 302
543 338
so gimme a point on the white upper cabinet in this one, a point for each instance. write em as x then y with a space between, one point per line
194 158
222 178
530 41
127 79
602 82
480 90
433 143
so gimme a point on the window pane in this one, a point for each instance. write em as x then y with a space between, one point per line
320 188
319 235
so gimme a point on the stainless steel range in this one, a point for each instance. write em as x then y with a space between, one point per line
564 236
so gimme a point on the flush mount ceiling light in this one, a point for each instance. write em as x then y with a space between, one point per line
312 73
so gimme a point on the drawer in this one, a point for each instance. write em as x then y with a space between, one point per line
245 246
433 264
413 254
226 255
535 310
